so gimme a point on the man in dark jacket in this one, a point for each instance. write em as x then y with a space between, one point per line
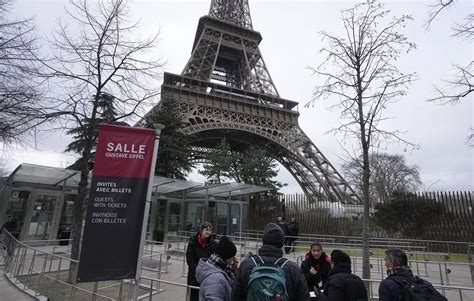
200 246
294 231
273 240
342 285
286 231
391 288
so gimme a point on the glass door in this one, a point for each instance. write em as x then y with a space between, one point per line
174 218
41 219
221 218
234 220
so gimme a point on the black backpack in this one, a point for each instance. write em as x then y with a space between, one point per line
417 289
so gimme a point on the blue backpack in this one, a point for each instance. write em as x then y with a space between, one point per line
267 281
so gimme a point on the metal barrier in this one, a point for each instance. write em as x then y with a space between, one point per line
41 273
43 269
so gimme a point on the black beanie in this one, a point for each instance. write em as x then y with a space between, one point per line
273 235
226 248
338 256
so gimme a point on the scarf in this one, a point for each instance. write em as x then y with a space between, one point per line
201 240
220 263
395 270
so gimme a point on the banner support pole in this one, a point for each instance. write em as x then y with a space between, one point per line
138 274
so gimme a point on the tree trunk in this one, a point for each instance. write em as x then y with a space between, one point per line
78 213
365 144
366 216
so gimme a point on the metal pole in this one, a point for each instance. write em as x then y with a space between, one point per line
138 274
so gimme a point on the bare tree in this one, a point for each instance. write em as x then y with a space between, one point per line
101 74
20 105
388 173
360 76
461 83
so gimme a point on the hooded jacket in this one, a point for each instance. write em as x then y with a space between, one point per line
273 239
215 284
194 252
342 285
321 265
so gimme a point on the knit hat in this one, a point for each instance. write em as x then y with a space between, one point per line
226 248
338 256
273 235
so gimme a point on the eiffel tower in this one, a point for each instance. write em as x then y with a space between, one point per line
226 91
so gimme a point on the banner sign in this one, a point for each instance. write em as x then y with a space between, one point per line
116 204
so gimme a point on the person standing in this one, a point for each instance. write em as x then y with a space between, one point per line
286 232
200 246
216 274
294 231
400 279
270 254
316 267
342 285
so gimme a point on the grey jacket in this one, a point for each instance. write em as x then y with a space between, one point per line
215 284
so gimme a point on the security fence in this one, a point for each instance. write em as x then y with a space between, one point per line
440 216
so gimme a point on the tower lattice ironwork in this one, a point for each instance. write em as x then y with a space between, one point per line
225 90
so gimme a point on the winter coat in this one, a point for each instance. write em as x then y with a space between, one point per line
284 227
215 284
342 285
321 265
194 252
389 289
294 229
295 282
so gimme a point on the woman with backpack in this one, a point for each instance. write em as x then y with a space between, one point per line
316 267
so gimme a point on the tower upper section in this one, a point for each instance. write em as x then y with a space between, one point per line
233 11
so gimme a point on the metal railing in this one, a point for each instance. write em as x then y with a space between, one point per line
43 270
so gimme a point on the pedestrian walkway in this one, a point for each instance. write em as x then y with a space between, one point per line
9 292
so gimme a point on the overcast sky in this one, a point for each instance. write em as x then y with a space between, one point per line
291 43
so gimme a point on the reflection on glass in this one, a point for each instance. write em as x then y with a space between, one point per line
40 224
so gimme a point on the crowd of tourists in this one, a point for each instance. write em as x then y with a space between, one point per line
267 275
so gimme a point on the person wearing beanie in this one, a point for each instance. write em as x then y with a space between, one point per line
342 285
200 246
273 240
216 274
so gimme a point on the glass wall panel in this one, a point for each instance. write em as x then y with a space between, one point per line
40 224
221 218
174 218
234 219
16 209
194 213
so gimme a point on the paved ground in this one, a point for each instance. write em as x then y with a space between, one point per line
9 292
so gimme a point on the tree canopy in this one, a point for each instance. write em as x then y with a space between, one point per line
174 152
250 166
408 214
389 173
21 105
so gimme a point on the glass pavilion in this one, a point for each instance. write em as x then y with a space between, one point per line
41 199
